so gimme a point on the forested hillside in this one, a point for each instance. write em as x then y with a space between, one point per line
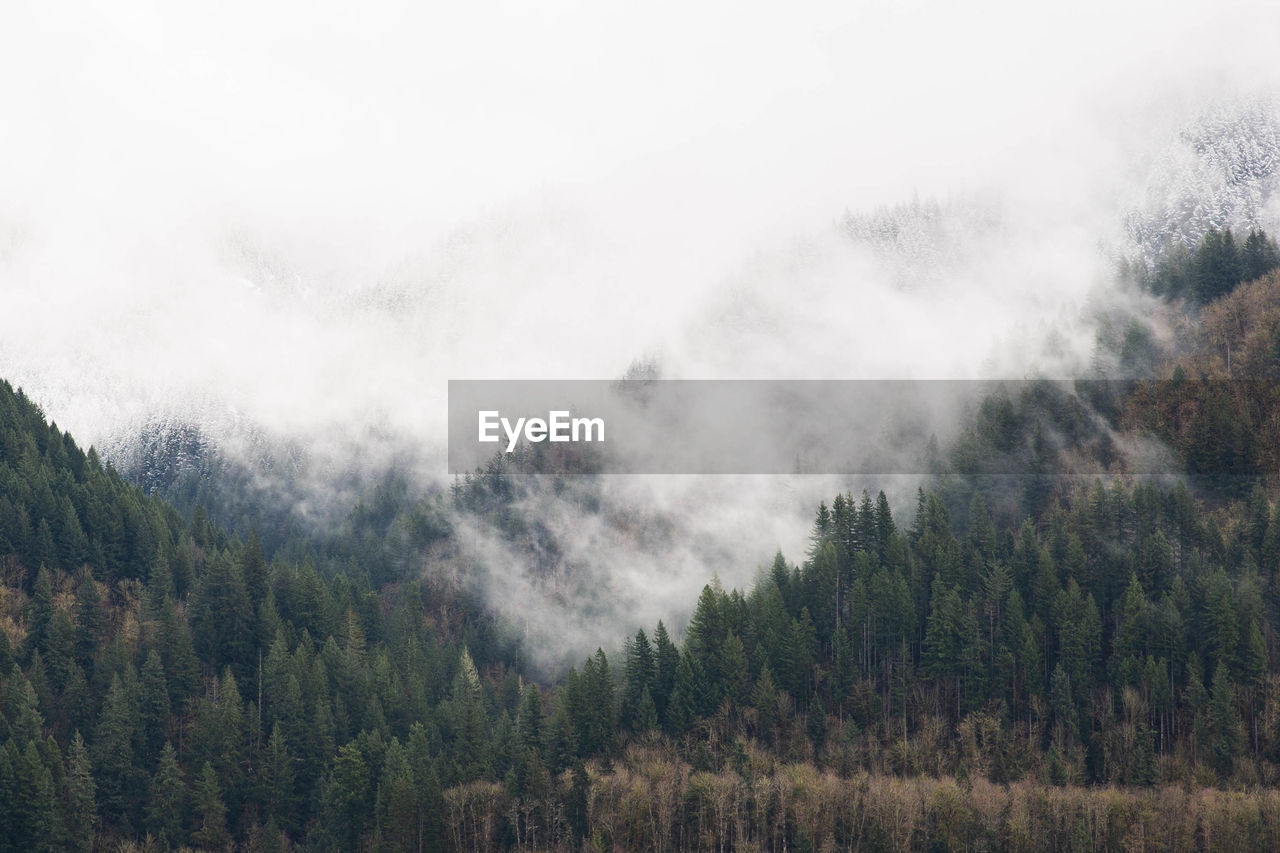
164 682
1025 660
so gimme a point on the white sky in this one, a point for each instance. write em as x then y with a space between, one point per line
309 216
190 193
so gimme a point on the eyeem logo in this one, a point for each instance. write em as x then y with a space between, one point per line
557 427
888 427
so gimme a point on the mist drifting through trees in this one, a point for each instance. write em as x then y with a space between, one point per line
243 606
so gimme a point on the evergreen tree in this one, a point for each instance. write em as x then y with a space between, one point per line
469 723
115 756
25 719
178 656
429 803
397 800
33 809
210 818
646 718
166 804
348 795
154 710
816 728
800 649
1218 267
89 621
253 568
1132 632
1144 761
680 709
1259 256
1225 720
666 660
1222 619
529 722
279 788
639 670
737 684
765 701
39 611
1062 700
223 616
81 809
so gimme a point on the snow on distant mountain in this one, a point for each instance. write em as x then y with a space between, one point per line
1220 172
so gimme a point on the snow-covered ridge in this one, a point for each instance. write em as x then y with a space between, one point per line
1220 172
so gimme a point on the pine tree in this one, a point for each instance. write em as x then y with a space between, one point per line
1225 720
81 809
278 784
820 536
429 805
561 745
8 789
32 821
1079 635
348 795
1218 268
639 669
845 665
25 720
737 684
884 525
1131 635
707 630
1196 699
816 728
72 545
210 818
253 568
1259 256
600 700
39 610
231 744
319 743
223 619
666 657
680 709
89 621
178 656
154 708
646 719
941 650
822 591
397 800
114 751
1222 619
1145 771
781 577
167 801
577 804
529 721
800 650
765 700
504 748
43 551
6 654
1062 700
59 650
160 583
1155 562
469 724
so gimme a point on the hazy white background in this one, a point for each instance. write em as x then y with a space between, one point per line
310 215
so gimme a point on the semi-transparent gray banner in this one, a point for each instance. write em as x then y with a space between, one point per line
847 426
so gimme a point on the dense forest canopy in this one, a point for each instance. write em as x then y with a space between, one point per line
1024 658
